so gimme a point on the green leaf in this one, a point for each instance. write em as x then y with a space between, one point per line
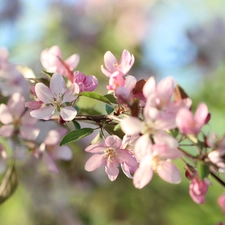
95 96
111 98
76 135
76 125
9 184
203 170
109 109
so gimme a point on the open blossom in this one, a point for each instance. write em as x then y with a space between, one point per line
50 150
54 99
156 158
85 83
14 118
159 101
52 61
192 124
110 154
112 65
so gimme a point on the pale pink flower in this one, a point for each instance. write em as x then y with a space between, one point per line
14 118
159 101
2 159
85 83
156 158
51 60
221 202
112 65
50 150
55 98
123 93
110 154
192 124
198 189
217 157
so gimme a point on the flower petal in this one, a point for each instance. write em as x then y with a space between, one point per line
5 114
43 93
29 132
131 125
71 94
57 86
110 61
149 87
143 174
6 130
73 61
44 113
16 105
68 113
94 162
169 172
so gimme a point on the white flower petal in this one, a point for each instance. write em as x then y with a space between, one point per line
68 113
43 93
57 86
44 113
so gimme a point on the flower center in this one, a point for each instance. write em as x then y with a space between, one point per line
110 154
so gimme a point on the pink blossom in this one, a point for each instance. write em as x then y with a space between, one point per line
112 65
85 83
110 154
159 102
198 189
192 124
217 157
221 202
54 99
51 60
13 117
156 158
50 150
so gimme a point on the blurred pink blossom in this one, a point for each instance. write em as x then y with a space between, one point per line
14 117
221 202
192 124
52 61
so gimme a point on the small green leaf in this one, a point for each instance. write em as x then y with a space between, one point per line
76 135
203 170
97 138
76 125
9 184
109 109
111 98
95 96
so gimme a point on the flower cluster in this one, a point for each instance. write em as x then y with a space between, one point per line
155 120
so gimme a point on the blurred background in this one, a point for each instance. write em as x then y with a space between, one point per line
184 39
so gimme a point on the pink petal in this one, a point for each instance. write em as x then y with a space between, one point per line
34 105
71 94
50 163
5 114
16 104
143 147
27 119
126 61
63 152
110 61
185 121
113 141
6 130
43 93
169 172
165 88
130 82
149 87
201 114
29 132
96 148
57 86
131 125
94 162
106 72
44 113
112 170
68 113
73 61
143 174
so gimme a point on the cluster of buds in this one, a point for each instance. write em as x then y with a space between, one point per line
155 119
